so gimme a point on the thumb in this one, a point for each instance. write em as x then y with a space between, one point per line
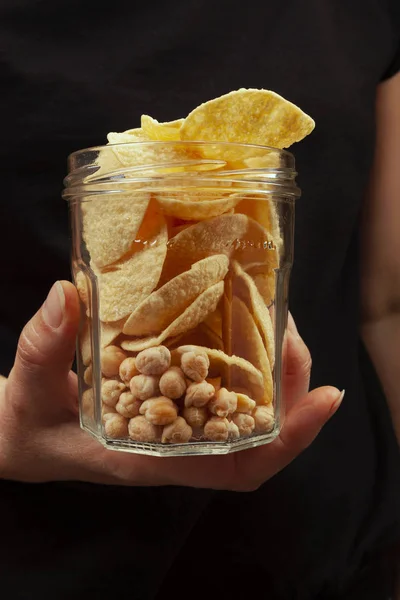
296 368
47 343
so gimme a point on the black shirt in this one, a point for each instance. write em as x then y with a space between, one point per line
74 70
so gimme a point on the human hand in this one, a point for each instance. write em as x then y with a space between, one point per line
40 437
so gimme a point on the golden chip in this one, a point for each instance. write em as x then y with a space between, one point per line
245 289
214 322
192 316
175 229
196 205
126 137
177 123
236 372
199 241
262 209
108 165
127 155
248 116
110 225
129 282
163 132
248 344
159 309
110 331
147 157
234 235
253 157
201 335
264 280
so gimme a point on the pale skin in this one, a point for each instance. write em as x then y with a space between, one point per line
40 439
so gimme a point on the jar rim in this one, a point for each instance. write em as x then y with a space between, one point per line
247 166
201 143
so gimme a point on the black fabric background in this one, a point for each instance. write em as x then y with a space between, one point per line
71 72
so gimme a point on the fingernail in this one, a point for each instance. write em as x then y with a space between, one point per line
53 308
338 401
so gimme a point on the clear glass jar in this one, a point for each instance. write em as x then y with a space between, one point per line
181 253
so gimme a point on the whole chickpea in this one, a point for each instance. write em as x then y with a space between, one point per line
195 417
111 358
245 423
82 286
127 369
172 383
88 403
128 406
144 387
142 431
153 361
195 364
199 394
88 375
115 426
111 391
217 429
178 432
159 411
224 403
263 418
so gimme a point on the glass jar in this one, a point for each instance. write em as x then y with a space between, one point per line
181 254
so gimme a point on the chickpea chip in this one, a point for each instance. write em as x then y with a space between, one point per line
110 331
111 161
234 235
248 116
164 305
110 226
202 335
144 157
162 132
124 154
247 343
264 280
192 205
245 288
126 137
130 281
192 316
261 208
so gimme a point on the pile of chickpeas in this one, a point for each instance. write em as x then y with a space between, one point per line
147 399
